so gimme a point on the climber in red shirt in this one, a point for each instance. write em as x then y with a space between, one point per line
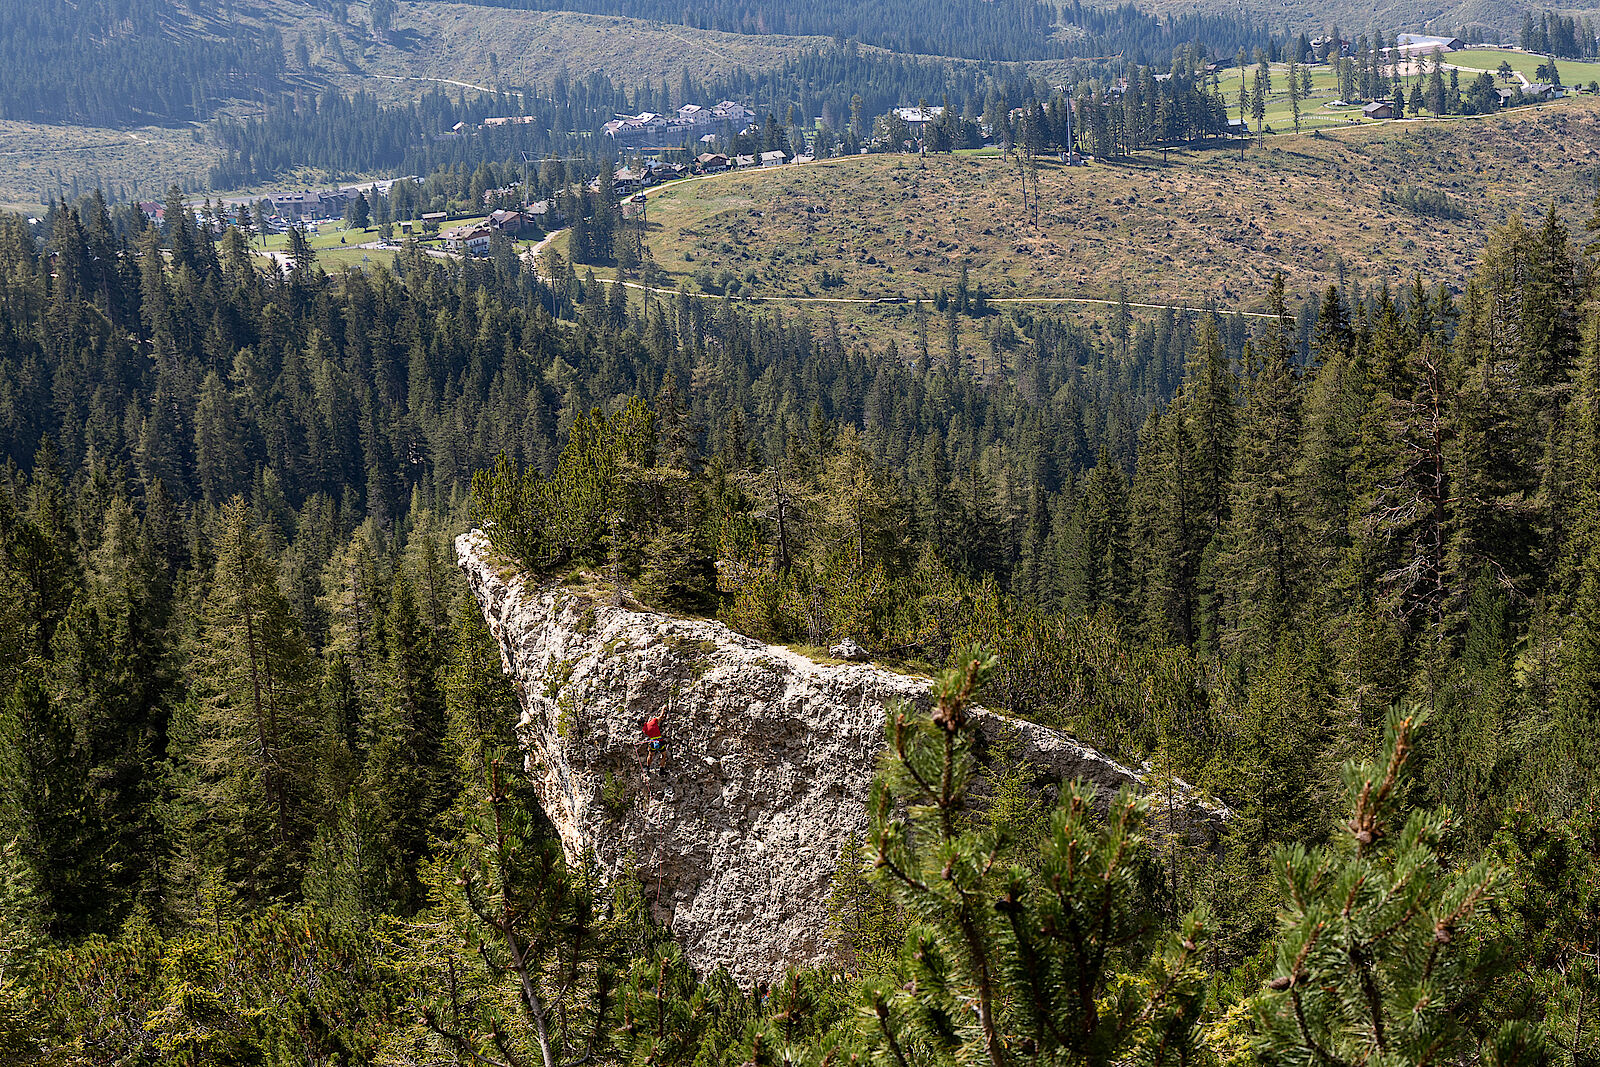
655 745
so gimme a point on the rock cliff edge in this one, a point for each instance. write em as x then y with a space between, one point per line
770 766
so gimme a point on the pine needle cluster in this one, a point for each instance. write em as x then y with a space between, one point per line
1372 963
1006 965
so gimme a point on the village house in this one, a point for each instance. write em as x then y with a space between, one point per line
773 159
729 113
628 180
328 204
711 162
741 162
511 223
472 240
546 213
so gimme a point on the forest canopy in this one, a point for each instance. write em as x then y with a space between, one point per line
1339 570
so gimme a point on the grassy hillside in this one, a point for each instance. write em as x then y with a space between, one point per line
1357 17
1526 64
432 44
1207 226
38 160
441 42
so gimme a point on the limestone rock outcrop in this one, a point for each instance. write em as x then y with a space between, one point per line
769 763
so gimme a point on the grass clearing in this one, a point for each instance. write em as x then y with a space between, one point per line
1525 63
436 44
37 158
1207 227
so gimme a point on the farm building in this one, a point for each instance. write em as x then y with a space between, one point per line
919 118
1418 44
1378 109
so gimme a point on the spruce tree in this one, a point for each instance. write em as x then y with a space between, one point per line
1265 535
406 782
258 745
49 822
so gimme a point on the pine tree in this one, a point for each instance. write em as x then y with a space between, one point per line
858 509
1281 786
1376 962
1096 569
512 961
113 666
1212 409
301 254
1005 963
1295 93
1332 426
355 584
1176 531
359 213
1578 688
863 919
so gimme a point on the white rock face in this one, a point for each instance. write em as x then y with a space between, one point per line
769 766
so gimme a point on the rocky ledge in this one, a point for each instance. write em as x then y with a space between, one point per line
769 766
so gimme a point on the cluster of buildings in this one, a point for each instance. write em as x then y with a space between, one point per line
288 209
473 239
1408 45
496 122
690 122
632 179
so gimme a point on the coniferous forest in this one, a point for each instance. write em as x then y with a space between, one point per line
1339 568
114 62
